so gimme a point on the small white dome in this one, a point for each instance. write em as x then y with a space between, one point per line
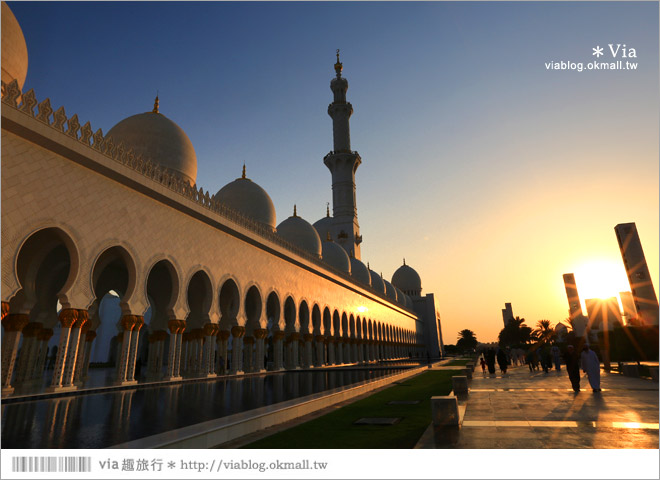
389 290
301 233
399 296
159 139
324 226
408 280
14 49
360 272
377 282
250 199
336 256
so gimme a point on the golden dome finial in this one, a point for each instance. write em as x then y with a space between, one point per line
338 65
368 266
327 209
329 238
156 102
295 212
404 260
243 175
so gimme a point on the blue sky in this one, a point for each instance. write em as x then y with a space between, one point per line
489 173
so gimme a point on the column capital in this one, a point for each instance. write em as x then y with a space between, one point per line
260 333
32 329
68 317
293 337
15 322
279 335
237 331
5 309
82 318
210 329
320 338
45 334
308 337
223 334
139 323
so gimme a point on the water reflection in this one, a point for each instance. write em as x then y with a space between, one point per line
102 420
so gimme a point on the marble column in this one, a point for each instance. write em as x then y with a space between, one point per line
82 354
320 351
210 331
259 355
339 350
237 334
29 353
67 317
331 351
127 323
13 325
135 338
89 338
308 339
278 350
293 358
40 365
221 362
248 354
176 328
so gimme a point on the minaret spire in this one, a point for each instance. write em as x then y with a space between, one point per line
342 163
156 103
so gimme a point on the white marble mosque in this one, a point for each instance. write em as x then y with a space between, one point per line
208 284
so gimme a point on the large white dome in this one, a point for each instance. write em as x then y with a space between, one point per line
408 280
301 233
159 139
336 256
360 272
250 199
14 49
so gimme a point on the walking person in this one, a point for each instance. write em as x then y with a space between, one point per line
502 360
483 365
591 365
490 360
555 356
572 362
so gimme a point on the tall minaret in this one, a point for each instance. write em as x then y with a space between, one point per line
343 163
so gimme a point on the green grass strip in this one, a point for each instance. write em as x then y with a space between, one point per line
458 362
336 429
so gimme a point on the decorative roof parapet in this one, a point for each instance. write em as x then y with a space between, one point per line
11 94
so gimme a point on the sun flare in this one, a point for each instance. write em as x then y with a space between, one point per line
601 279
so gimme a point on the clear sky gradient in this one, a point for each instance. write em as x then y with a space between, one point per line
491 175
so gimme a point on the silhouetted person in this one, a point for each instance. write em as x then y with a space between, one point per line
572 361
546 359
483 365
490 360
591 365
502 360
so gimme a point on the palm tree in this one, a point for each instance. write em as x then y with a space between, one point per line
515 333
544 333
467 340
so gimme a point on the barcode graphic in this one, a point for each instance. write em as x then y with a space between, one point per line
51 464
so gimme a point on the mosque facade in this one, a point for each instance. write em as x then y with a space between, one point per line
208 284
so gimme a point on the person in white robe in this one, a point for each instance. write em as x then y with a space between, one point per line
591 365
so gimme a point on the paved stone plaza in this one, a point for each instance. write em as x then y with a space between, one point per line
536 410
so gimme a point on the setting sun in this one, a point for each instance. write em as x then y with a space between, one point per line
601 279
